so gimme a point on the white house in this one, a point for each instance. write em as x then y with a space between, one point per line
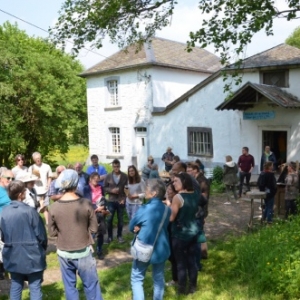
139 104
264 110
125 89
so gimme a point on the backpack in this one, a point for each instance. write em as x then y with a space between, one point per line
261 182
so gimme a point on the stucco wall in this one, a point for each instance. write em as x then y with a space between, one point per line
170 84
139 90
229 131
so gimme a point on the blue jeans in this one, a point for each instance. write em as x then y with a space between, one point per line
114 207
87 271
132 209
34 281
138 272
268 212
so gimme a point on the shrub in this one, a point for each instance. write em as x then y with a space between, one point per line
218 174
270 259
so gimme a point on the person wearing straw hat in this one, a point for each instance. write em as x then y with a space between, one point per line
30 196
168 159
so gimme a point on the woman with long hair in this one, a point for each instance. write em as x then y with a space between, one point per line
230 178
185 232
20 161
135 191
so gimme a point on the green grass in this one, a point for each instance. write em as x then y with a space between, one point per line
259 266
76 153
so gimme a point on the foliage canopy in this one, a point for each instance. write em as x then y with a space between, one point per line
42 100
226 22
294 38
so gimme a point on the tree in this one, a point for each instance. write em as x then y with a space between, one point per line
225 22
294 38
42 100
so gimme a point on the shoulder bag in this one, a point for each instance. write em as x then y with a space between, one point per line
142 251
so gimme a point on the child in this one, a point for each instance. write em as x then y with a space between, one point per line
267 183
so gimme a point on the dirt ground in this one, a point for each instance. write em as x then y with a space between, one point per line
222 220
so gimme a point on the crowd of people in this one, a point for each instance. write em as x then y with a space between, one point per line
240 173
79 208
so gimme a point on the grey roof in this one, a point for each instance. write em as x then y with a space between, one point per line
160 52
250 93
281 55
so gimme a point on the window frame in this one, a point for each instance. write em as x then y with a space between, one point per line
109 95
285 73
118 140
205 130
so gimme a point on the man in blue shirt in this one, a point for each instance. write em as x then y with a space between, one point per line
95 167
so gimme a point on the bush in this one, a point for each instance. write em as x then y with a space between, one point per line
218 174
270 259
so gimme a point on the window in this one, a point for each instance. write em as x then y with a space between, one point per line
112 86
141 129
115 140
200 141
278 78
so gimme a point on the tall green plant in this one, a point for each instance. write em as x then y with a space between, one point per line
42 100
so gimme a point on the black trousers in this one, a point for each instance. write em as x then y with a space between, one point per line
244 175
185 256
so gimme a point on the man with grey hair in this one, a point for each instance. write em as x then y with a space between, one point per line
6 178
42 185
83 178
53 193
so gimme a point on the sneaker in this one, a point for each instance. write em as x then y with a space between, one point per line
227 202
237 202
120 240
2 276
171 283
108 241
100 255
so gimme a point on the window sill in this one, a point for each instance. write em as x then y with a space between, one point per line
200 155
113 156
111 108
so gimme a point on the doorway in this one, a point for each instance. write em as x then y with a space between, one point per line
141 146
277 140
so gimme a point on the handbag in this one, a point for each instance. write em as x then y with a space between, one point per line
142 251
1 247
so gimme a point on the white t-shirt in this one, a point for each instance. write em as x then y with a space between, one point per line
16 170
43 172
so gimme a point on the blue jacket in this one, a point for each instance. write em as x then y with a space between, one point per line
4 199
25 238
148 218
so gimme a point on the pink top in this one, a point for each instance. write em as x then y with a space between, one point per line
96 193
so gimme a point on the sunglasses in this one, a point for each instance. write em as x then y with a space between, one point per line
19 159
8 178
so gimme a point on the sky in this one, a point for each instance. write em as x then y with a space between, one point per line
187 17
